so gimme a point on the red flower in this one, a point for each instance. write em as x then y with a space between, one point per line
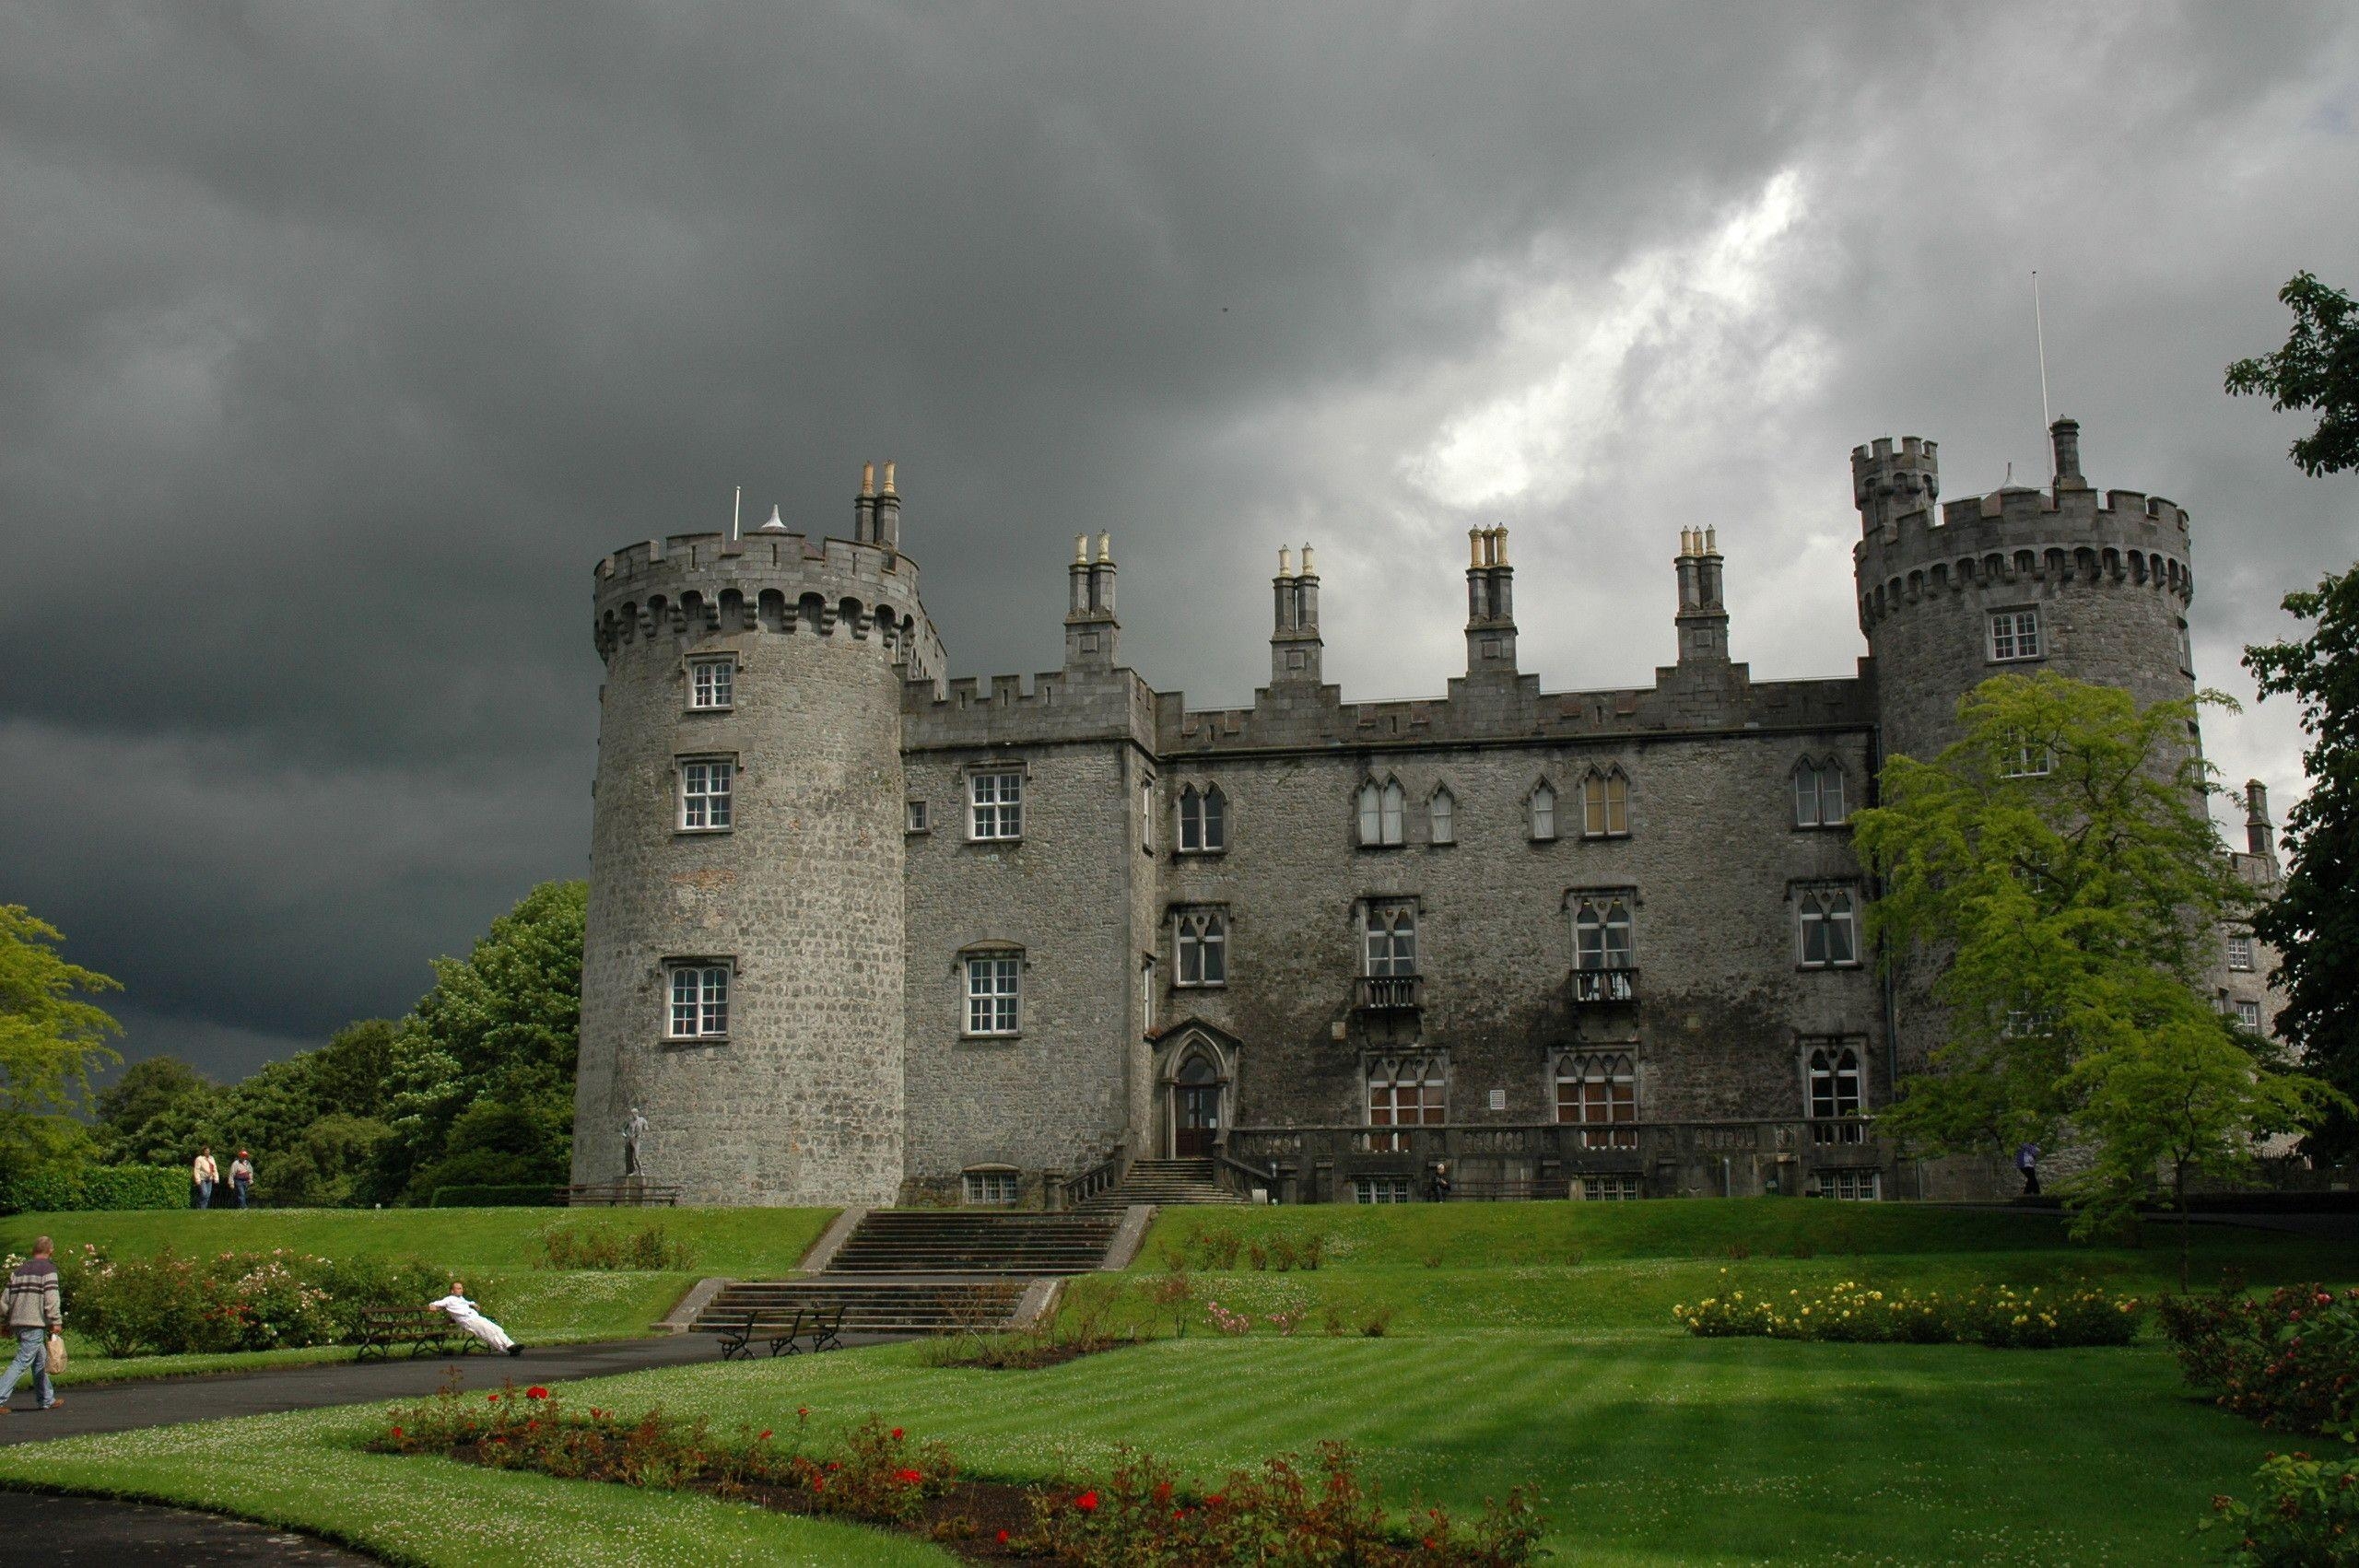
908 1478
896 1434
803 1412
397 1432
1002 1538
493 1398
765 1437
818 1483
536 1392
1087 1502
835 1464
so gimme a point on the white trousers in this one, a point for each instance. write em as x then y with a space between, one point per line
484 1328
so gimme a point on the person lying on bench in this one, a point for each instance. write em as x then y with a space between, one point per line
463 1312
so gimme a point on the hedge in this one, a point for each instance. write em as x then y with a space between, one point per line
541 1195
97 1186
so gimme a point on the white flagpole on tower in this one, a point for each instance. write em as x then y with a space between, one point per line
734 510
2039 328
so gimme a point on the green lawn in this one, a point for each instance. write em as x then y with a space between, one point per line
492 1249
1506 1364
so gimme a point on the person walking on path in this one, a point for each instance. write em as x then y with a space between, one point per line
467 1315
2028 1162
241 1177
203 1173
33 1315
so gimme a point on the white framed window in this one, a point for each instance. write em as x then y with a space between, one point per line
699 1000
1381 807
1826 927
1146 815
1852 1186
1834 1093
918 820
705 789
2240 950
1819 794
2015 634
1147 995
1441 816
1391 937
712 682
1605 803
1201 943
1543 808
1381 1190
2248 1014
1601 938
994 982
1407 1091
1203 821
1599 1091
1612 1188
2022 756
995 801
994 1189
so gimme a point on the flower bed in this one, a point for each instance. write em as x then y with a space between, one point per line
2306 1515
2289 1360
175 1304
1281 1515
1999 1317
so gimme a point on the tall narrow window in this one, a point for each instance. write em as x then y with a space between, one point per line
1203 821
1215 816
1408 1091
1600 1093
1606 804
2015 634
704 794
1381 807
1834 1094
699 1001
2025 756
2240 950
1391 939
992 992
1828 930
1441 816
1543 813
1818 794
711 683
997 802
1146 815
1203 942
1601 931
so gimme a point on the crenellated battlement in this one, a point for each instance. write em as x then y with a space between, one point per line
700 585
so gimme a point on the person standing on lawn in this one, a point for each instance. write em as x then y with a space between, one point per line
2028 1162
203 1173
467 1315
33 1315
241 1177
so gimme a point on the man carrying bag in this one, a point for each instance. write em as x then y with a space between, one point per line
35 1317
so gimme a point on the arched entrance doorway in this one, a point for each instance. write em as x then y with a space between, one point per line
1195 1107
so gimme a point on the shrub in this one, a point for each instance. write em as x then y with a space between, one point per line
525 1196
1850 1312
174 1304
649 1248
2306 1515
1080 1331
96 1187
2289 1360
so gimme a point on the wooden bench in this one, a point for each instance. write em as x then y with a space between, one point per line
1510 1191
422 1329
823 1329
617 1195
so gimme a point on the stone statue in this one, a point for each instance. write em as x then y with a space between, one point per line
634 1133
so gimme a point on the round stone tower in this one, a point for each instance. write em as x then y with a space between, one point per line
2016 581
741 982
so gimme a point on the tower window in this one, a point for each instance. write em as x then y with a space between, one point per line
1818 794
2240 950
2022 756
1606 804
1146 815
2248 1014
918 820
1543 813
699 1001
1203 821
1441 816
1381 807
2015 634
711 683
997 802
1202 939
1600 1093
705 788
1826 927
1408 1091
992 998
1391 938
1832 1087
1601 930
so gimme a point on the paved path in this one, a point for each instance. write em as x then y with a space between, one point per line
98 1532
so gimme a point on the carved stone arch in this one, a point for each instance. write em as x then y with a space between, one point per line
2026 563
769 611
660 616
853 616
2052 561
2111 560
1994 566
1916 586
811 610
2084 562
1940 581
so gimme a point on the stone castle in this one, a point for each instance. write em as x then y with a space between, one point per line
862 933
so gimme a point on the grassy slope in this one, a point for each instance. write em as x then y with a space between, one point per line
492 1248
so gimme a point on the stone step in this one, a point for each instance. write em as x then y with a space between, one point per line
923 1306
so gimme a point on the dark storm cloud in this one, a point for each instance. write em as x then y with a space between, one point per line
343 339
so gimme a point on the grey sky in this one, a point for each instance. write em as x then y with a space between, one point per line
341 341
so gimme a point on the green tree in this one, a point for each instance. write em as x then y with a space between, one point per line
50 1041
2055 869
146 1089
499 1029
2317 368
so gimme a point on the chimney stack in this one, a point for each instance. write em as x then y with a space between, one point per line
2066 434
1093 637
888 513
1703 619
1295 645
1490 603
2260 837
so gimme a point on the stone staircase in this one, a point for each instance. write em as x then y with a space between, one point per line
926 1271
1159 1182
